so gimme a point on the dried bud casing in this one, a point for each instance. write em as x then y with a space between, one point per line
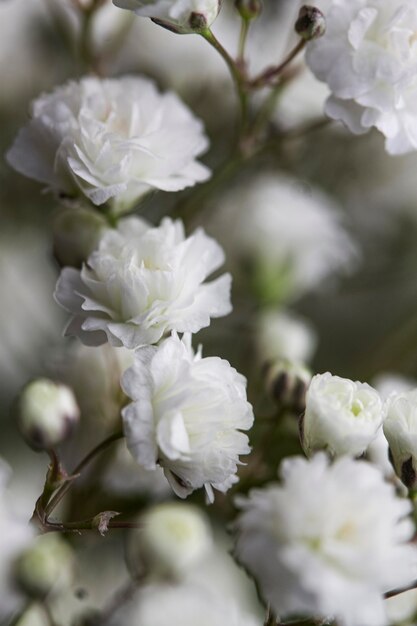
287 384
311 23
48 412
249 9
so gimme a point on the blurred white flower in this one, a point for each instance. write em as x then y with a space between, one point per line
291 237
400 429
186 416
181 16
284 335
187 605
142 282
329 542
173 539
111 139
341 416
15 536
367 57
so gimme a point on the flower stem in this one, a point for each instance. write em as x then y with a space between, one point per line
273 72
62 491
244 30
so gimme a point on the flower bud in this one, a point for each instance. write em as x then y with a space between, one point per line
287 384
178 16
48 412
311 23
341 416
46 567
77 233
174 537
400 429
249 9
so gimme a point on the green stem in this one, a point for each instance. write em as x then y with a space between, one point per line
237 75
88 524
62 491
244 30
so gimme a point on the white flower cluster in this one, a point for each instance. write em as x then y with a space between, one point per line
367 57
328 542
186 416
113 139
143 282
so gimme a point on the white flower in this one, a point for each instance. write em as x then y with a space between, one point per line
292 235
368 57
15 536
400 429
181 16
187 605
329 542
284 335
143 282
186 416
111 139
173 538
341 416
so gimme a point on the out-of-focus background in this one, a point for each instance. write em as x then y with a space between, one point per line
354 315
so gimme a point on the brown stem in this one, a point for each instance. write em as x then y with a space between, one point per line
397 592
88 524
272 72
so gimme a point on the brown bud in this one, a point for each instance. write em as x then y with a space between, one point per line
311 23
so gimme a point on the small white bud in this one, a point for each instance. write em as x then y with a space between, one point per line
178 16
174 537
77 233
48 413
400 429
46 567
341 416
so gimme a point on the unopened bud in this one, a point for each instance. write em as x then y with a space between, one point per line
77 233
174 537
48 412
287 384
311 23
399 428
249 9
46 567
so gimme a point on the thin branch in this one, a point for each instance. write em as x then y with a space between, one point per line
270 73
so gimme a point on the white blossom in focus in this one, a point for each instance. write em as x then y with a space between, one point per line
181 16
328 542
367 57
174 538
187 605
291 236
15 536
186 416
400 429
284 335
113 139
341 416
142 282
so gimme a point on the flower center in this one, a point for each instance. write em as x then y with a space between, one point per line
357 407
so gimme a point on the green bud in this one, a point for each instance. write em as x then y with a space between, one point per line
46 567
311 23
287 384
249 9
48 412
77 233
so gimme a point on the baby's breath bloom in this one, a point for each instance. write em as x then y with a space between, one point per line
187 416
180 16
400 429
328 542
367 57
142 282
112 140
341 416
